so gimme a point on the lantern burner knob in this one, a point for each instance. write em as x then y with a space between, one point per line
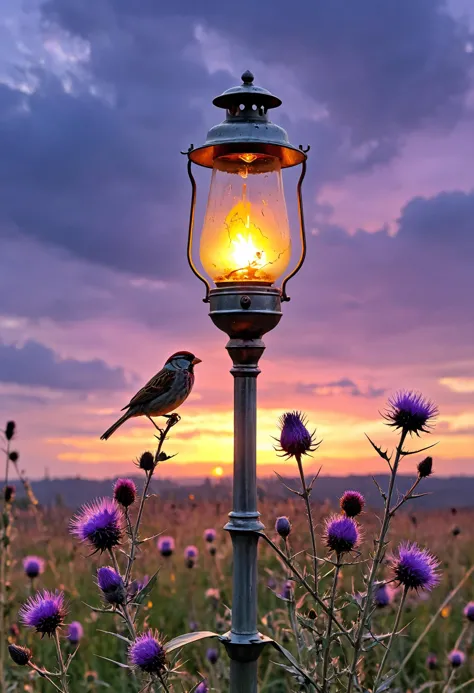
247 77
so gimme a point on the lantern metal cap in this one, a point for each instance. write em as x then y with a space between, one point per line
247 128
245 92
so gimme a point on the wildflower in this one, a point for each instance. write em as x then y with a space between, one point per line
425 467
210 535
213 595
283 526
99 523
147 462
212 655
352 503
10 430
295 439
166 546
456 531
125 492
193 626
456 658
469 611
20 655
341 534
411 412
202 687
9 493
287 590
148 654
45 611
191 554
75 632
382 595
431 662
415 568
111 585
33 566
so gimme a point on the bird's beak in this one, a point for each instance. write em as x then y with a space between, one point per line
195 361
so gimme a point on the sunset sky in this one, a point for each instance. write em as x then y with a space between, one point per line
96 101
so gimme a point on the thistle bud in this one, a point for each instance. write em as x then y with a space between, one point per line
9 494
10 430
147 462
14 456
283 526
20 655
425 467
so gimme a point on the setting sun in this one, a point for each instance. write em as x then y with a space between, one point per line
217 471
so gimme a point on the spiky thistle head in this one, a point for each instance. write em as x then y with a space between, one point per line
283 526
295 439
125 492
469 611
191 554
210 535
20 655
411 412
352 503
147 653
111 585
415 568
75 632
212 655
33 566
202 687
100 523
456 658
45 612
341 534
166 546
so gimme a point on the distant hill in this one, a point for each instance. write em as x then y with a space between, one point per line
444 492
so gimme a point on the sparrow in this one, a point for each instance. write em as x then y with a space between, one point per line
164 393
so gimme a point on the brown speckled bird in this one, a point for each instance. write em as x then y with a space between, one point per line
164 393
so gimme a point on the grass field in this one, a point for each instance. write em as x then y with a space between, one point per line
178 602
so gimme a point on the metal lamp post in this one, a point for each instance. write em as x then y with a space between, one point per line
245 247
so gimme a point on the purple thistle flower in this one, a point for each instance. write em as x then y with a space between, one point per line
415 568
191 554
210 535
45 611
352 503
341 533
111 585
410 411
287 590
212 655
125 492
456 658
75 632
382 595
100 523
469 611
295 439
147 653
20 655
431 661
283 526
166 546
33 566
202 687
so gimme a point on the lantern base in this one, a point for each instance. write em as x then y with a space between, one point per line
245 310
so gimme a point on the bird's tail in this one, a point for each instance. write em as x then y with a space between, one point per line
116 425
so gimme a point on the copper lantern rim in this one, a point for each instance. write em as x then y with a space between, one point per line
287 154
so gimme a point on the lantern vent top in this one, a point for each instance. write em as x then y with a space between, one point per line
245 93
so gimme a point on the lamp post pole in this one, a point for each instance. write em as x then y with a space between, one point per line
244 252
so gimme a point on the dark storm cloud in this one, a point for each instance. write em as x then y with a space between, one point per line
35 365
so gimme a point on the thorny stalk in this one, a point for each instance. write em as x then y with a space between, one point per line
306 495
327 640
449 681
392 635
44 675
6 521
62 667
376 561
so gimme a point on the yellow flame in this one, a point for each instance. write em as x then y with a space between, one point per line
245 253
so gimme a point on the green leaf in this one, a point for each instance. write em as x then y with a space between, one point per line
140 596
188 638
119 664
293 661
116 635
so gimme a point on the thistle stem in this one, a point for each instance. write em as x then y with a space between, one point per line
327 643
392 635
376 562
449 681
62 668
3 571
124 607
306 496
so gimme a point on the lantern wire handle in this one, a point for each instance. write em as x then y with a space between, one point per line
191 229
284 295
